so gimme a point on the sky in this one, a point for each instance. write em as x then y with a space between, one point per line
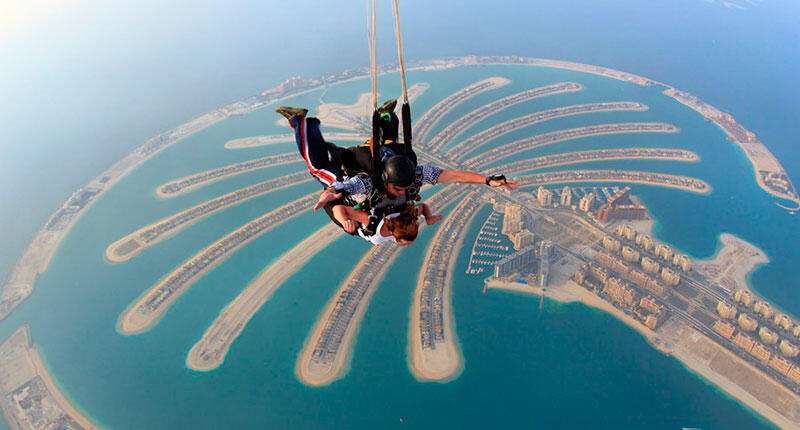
84 82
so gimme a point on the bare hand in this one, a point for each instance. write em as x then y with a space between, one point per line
508 183
433 219
328 195
350 226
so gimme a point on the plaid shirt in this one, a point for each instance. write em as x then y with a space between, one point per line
359 188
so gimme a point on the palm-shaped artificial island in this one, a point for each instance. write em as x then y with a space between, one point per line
581 236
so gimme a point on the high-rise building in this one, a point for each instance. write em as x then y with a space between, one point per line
650 266
768 336
744 297
670 276
544 258
629 254
683 261
586 203
522 239
566 197
604 212
621 205
611 244
726 310
644 241
747 323
512 220
664 251
764 309
545 197
516 262
725 329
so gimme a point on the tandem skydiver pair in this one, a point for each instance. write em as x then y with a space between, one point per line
374 200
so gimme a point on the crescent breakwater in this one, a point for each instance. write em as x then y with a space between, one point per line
129 246
768 171
328 348
148 309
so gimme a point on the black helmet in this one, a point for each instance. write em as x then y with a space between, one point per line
399 171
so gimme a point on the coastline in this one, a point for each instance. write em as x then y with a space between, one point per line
693 350
62 401
673 339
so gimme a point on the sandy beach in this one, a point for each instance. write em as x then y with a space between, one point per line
62 401
733 261
210 351
311 372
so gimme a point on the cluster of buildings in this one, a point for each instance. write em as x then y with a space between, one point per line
25 400
488 237
659 252
273 160
754 326
515 223
646 307
183 275
67 212
475 141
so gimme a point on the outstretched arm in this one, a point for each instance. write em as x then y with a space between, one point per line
467 177
430 218
349 218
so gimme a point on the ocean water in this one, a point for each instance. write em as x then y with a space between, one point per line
563 366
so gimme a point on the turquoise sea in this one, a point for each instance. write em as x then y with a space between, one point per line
564 366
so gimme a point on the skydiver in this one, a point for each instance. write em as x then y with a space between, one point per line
342 171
